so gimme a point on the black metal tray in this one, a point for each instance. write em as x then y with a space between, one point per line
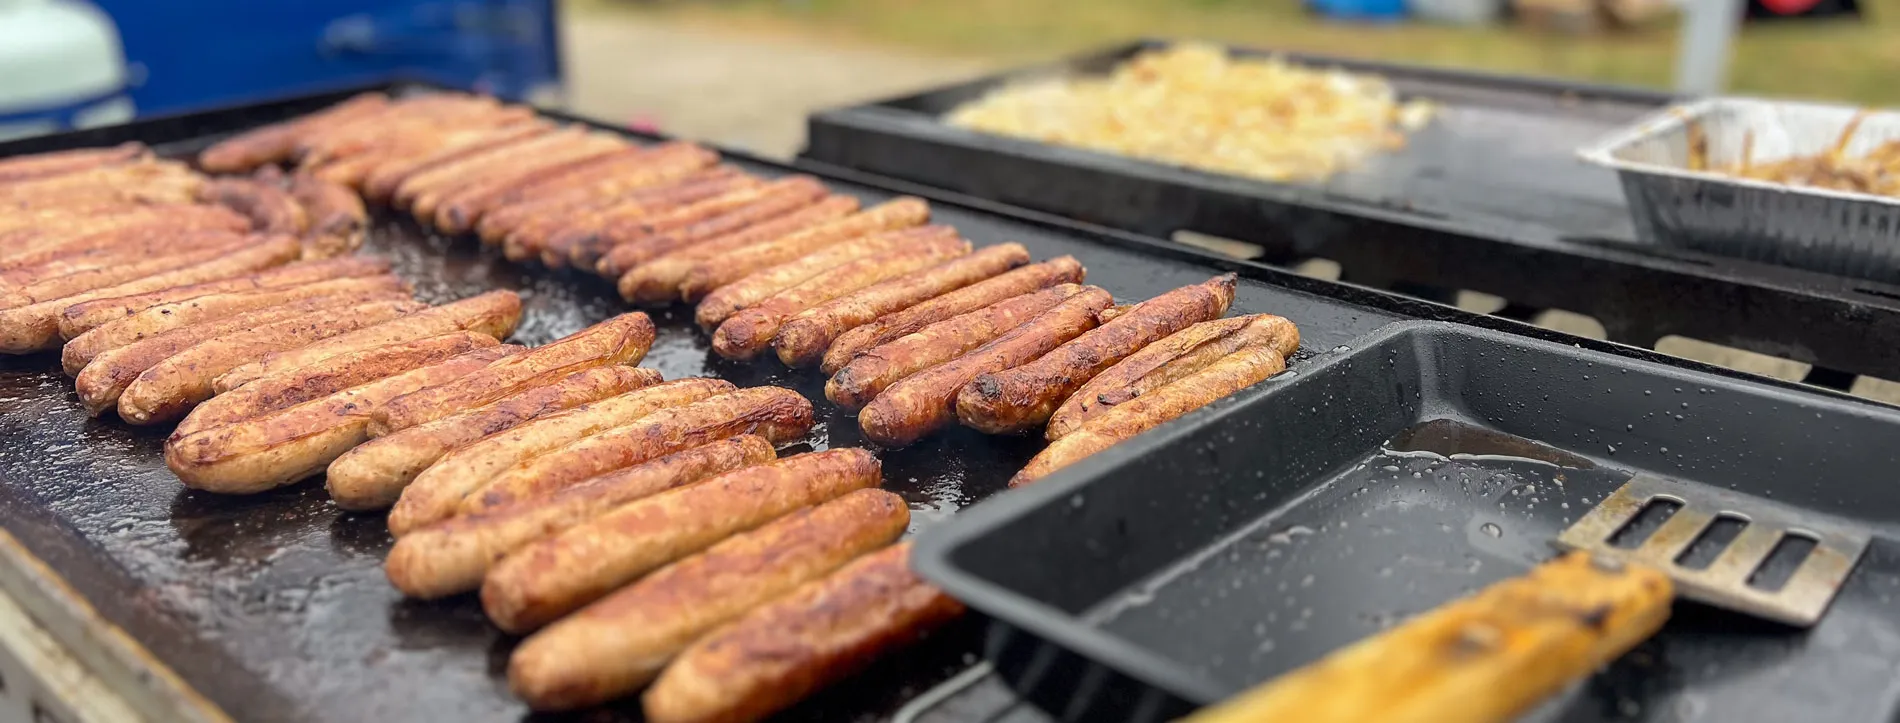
1490 197
1433 459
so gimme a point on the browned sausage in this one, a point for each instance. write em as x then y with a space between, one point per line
452 556
658 281
155 181
581 242
446 178
494 313
35 327
458 210
803 339
337 219
38 165
669 181
408 116
926 401
620 643
105 377
296 386
820 633
147 323
623 339
643 229
1056 271
275 143
777 414
436 493
556 575
1229 374
660 165
713 273
639 242
373 475
751 331
1023 397
117 231
758 286
161 244
1182 353
270 208
83 317
382 181
47 288
549 184
872 372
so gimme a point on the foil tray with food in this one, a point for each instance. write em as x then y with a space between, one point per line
1810 185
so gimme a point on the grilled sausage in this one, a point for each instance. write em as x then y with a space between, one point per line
458 210
803 339
179 382
1230 374
668 184
1023 397
873 371
164 243
632 160
552 151
106 377
275 143
662 165
373 475
406 116
623 339
343 371
270 208
925 401
150 322
381 182
1182 353
35 327
556 575
494 313
779 415
581 239
437 492
620 643
39 165
658 281
722 304
337 221
141 182
105 229
713 273
848 345
286 446
751 331
783 651
452 175
452 556
590 252
638 242
47 288
83 317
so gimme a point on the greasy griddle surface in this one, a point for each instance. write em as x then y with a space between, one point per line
275 606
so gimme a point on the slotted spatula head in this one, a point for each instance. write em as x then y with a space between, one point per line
1729 580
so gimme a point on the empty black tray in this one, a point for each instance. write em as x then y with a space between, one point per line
1252 538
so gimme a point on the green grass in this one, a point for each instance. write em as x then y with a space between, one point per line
1857 61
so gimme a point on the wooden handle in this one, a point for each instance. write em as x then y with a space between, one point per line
1487 657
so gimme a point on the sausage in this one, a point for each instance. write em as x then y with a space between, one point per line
382 181
923 402
872 372
712 273
469 212
848 345
720 305
35 327
82 235
83 317
459 210
103 379
452 175
623 339
552 151
38 165
152 321
270 208
437 492
632 160
1114 312
660 165
588 253
803 339
783 651
275 143
620 643
145 181
296 386
1225 376
373 475
494 313
405 122
410 143
779 415
751 331
47 288
1180 354
667 182
452 556
581 239
292 444
555 575
337 221
1023 397
161 244
658 281
174 385
635 243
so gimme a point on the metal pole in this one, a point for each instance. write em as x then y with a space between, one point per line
1708 28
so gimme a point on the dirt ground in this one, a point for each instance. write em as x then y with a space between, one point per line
749 90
